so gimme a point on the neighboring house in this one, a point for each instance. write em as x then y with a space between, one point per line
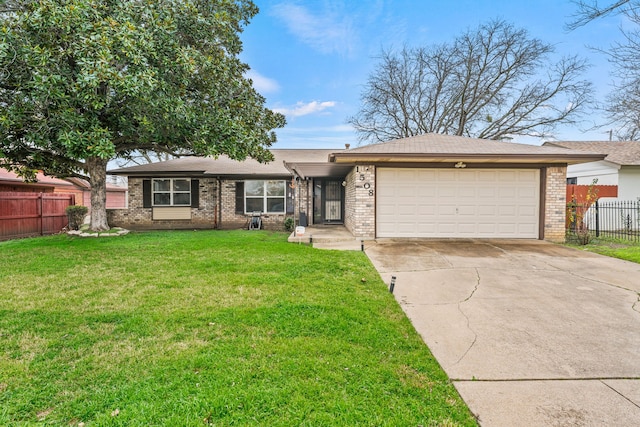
620 167
425 186
10 182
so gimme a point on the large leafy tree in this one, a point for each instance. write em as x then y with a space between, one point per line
492 82
83 82
622 105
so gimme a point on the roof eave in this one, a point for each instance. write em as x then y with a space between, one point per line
22 183
464 157
204 174
318 169
125 172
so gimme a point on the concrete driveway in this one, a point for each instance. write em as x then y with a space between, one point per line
530 333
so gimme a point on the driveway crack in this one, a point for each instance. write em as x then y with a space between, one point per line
475 335
634 307
622 395
600 281
475 288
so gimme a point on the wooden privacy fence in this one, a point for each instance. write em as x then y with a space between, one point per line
33 214
578 193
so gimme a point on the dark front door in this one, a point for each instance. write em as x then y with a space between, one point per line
328 197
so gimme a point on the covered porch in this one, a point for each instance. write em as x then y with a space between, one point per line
320 191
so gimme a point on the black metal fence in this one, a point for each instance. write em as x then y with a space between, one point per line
617 219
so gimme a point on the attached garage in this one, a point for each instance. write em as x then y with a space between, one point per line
467 203
447 186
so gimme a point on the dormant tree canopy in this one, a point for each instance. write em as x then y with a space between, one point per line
492 82
622 105
86 81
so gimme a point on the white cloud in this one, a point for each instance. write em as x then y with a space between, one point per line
304 109
328 32
261 83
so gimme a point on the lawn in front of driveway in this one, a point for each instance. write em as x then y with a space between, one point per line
208 328
617 248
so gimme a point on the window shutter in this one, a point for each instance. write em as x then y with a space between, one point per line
146 193
195 193
240 197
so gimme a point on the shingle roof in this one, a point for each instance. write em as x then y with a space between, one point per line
424 148
224 166
438 147
50 181
42 179
624 153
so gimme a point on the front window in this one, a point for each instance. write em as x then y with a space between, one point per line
171 192
264 196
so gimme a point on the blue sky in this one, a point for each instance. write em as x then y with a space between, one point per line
310 59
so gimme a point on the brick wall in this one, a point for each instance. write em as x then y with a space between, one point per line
303 200
360 202
137 217
208 215
350 201
228 217
555 204
232 220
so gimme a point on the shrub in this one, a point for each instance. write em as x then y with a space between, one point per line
576 214
288 224
76 214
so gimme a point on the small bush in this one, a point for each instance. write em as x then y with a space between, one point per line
577 212
76 214
288 224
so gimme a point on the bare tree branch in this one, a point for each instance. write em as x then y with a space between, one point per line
622 105
590 10
492 82
141 157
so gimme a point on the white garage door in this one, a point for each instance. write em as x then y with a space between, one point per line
501 203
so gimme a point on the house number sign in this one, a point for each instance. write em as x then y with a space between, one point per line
366 185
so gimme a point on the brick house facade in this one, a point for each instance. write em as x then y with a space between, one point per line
139 217
324 187
555 204
360 201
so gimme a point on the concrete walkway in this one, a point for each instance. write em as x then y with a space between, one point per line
328 237
531 333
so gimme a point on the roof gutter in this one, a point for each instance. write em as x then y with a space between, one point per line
157 173
466 157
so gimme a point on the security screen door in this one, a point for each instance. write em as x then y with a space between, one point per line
328 196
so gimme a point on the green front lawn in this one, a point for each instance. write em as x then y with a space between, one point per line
617 248
208 328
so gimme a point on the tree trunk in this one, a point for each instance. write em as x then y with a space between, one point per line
97 170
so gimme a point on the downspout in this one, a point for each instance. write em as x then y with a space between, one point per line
218 213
